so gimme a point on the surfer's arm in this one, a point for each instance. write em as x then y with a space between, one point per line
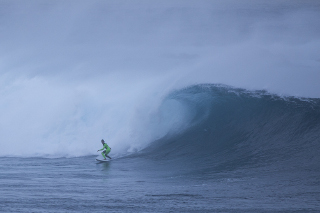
105 146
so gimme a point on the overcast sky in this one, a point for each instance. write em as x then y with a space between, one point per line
67 66
272 43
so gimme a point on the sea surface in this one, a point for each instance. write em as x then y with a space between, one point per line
242 151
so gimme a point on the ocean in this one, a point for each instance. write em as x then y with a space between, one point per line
242 151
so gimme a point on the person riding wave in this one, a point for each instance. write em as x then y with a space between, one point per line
106 151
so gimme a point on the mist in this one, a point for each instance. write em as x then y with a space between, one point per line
74 72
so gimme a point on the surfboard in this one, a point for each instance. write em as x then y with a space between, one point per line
100 160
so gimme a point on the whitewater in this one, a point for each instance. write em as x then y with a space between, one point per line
207 106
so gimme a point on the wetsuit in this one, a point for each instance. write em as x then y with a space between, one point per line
106 151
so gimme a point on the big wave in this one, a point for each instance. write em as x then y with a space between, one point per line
231 128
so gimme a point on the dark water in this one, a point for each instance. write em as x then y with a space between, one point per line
243 152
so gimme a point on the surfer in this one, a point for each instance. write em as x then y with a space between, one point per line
106 151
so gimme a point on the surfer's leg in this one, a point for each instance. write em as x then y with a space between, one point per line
106 152
102 153
108 156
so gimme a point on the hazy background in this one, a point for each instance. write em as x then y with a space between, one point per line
73 72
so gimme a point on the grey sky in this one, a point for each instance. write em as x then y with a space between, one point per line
53 37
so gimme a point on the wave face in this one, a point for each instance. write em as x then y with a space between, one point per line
234 128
